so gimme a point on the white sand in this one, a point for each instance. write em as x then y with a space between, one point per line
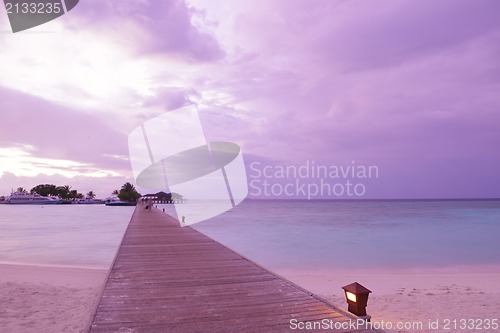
48 299
414 296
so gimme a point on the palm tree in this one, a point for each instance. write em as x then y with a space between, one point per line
128 193
21 190
128 187
63 191
115 192
91 194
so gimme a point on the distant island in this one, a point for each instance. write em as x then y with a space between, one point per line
127 195
50 193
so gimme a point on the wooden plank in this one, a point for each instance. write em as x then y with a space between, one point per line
171 279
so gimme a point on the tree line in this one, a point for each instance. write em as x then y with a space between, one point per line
126 193
46 190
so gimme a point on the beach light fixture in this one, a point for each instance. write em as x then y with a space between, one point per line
357 298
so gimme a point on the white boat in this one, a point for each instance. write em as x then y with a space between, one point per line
114 201
89 201
21 198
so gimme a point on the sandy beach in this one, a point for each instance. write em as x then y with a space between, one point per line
412 297
53 299
48 299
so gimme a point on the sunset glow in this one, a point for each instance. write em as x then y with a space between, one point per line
407 87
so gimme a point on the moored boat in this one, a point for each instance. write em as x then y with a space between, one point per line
89 201
117 202
22 198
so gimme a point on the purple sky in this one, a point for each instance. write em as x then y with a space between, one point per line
412 87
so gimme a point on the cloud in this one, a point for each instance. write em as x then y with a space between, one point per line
60 133
149 27
169 98
101 186
351 36
409 85
389 33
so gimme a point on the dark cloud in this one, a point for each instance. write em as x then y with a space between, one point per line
58 132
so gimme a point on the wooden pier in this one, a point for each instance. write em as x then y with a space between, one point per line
166 278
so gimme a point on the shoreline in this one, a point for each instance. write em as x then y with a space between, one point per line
47 265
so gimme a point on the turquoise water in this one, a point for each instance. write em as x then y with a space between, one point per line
68 235
362 234
287 234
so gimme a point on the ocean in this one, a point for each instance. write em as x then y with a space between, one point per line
62 235
275 233
361 234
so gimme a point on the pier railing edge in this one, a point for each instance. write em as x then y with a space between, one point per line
101 292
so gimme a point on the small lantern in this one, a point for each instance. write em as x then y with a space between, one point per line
357 298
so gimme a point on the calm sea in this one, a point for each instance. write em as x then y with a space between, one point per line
361 234
68 235
278 234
